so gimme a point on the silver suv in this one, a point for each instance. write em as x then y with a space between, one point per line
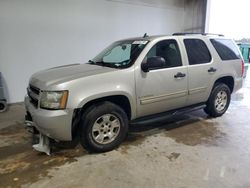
136 80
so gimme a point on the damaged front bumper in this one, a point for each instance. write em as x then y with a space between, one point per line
56 124
46 125
40 142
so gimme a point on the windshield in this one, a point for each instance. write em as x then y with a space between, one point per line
120 54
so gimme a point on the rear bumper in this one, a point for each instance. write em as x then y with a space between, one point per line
238 83
246 69
55 124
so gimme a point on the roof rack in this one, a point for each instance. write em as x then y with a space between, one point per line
179 34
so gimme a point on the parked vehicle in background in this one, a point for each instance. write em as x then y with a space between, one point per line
137 80
3 101
245 50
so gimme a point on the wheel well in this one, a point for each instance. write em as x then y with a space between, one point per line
228 80
119 100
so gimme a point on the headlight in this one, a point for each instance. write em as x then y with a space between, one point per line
54 100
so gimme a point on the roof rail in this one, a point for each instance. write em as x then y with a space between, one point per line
179 34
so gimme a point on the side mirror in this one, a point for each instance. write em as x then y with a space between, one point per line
153 63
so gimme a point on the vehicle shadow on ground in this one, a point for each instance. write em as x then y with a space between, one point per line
189 129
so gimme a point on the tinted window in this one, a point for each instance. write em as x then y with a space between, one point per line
197 51
226 49
169 50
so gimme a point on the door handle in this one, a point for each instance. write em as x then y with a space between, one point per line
180 75
211 69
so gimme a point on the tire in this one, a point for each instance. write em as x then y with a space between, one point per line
218 101
103 128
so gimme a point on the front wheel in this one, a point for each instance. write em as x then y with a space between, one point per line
218 101
104 127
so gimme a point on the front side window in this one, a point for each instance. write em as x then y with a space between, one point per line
169 50
197 51
120 54
226 49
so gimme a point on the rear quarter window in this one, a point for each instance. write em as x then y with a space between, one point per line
226 49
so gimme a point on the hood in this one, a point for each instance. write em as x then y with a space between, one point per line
66 73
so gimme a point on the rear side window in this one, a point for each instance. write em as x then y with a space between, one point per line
197 51
226 49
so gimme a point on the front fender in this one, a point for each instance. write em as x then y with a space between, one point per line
110 94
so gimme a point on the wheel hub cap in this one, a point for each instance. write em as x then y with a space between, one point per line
106 128
221 101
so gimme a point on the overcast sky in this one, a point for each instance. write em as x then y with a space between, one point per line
230 17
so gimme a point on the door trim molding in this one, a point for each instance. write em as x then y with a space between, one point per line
197 90
158 98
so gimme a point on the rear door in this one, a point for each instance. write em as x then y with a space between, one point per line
201 70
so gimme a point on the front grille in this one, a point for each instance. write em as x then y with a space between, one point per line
33 93
34 89
34 101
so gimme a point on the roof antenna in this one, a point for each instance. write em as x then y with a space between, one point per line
145 35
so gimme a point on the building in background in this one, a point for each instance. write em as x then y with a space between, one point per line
37 35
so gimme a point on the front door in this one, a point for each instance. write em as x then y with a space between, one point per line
164 88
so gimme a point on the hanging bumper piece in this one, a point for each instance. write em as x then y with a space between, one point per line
43 145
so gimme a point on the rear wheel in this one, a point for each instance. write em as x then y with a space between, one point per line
104 127
218 101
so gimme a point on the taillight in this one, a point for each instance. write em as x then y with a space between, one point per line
242 67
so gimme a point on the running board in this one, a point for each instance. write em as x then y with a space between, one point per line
165 115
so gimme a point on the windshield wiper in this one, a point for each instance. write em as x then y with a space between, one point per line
92 62
97 63
104 64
